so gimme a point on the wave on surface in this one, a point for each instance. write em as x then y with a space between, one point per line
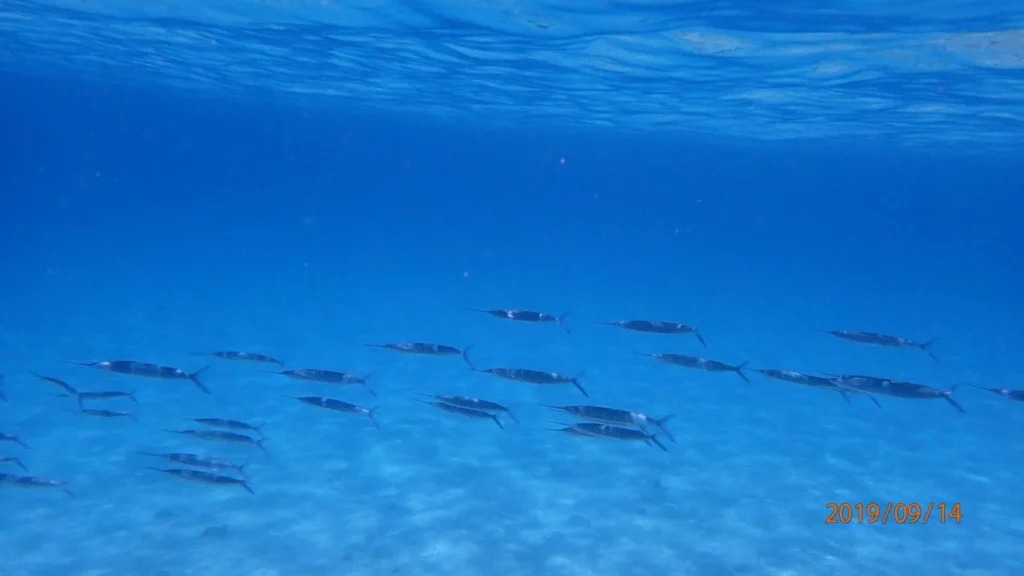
953 72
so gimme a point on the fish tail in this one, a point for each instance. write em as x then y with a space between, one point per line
846 397
194 377
926 346
664 429
64 488
78 399
512 416
20 464
240 468
700 338
949 398
560 319
465 358
497 421
643 354
20 442
247 487
739 371
370 414
131 396
657 442
875 400
86 364
465 355
579 386
262 447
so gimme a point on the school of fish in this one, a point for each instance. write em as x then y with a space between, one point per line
585 420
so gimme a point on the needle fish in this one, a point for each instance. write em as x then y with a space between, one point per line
1017 395
656 327
12 438
101 413
467 412
64 386
472 404
338 406
810 380
222 436
198 461
327 377
532 376
227 424
527 316
615 416
203 477
422 348
883 340
899 389
595 430
18 481
106 395
13 460
147 370
242 357
698 363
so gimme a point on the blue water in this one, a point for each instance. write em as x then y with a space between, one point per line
300 179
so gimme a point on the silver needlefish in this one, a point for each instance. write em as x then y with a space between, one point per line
422 348
227 424
472 404
84 397
198 461
104 413
897 388
203 477
4 437
223 436
530 316
64 387
13 460
819 382
532 376
1010 393
465 412
29 482
147 370
604 415
883 340
610 432
328 377
698 363
237 356
338 406
656 327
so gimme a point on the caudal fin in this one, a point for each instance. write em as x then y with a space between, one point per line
370 414
578 385
194 377
700 338
739 371
664 429
561 322
927 348
949 398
